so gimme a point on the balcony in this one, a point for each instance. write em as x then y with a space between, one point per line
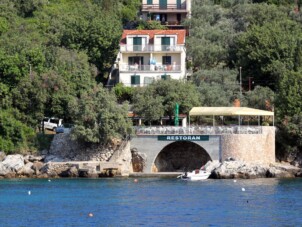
151 48
177 8
149 68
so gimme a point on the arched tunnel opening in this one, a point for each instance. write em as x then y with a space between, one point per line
181 156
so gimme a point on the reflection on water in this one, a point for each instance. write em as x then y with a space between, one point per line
150 202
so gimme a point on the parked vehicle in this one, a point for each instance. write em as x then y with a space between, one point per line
64 128
51 123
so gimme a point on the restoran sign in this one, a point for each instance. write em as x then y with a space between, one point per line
183 138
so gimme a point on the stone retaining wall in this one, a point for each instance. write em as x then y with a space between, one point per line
253 148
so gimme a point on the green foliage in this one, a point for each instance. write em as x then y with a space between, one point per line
43 141
289 137
98 118
123 93
14 135
150 25
159 99
289 95
260 98
268 51
217 87
211 34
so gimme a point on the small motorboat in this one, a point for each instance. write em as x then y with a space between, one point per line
198 174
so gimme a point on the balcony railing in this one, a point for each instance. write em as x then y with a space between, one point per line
149 68
151 48
198 130
172 7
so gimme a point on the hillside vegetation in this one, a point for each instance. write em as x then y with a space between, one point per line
55 55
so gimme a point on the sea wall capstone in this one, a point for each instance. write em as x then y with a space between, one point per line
252 148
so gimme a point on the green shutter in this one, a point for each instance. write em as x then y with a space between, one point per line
137 43
163 4
165 77
178 4
165 42
135 79
149 2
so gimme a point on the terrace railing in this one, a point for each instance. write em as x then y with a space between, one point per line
170 7
198 130
151 48
149 68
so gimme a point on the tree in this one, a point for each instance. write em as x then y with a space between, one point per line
268 51
261 98
217 87
15 136
164 94
97 117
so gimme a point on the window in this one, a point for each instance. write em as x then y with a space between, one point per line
165 77
165 43
167 60
137 44
135 80
148 80
149 2
139 60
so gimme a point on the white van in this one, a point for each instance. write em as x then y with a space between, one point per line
51 123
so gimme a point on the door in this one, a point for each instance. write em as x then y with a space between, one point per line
165 43
163 4
137 44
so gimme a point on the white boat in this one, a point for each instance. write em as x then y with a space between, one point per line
198 174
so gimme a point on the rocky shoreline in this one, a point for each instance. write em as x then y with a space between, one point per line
232 169
30 166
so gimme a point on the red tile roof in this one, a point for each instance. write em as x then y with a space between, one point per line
181 34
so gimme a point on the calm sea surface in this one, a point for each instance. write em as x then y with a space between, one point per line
150 202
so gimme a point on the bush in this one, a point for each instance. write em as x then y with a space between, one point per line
15 137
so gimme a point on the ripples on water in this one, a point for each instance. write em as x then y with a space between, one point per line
150 202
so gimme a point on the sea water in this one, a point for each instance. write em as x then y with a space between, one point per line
150 202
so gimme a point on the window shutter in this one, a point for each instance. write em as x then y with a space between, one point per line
135 79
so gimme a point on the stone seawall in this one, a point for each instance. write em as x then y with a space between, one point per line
252 148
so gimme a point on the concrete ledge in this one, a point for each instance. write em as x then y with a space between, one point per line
159 174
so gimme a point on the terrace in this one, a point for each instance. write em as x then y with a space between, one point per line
151 48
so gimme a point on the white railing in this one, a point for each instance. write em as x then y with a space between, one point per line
144 68
199 130
151 48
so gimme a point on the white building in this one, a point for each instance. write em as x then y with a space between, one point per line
169 12
147 55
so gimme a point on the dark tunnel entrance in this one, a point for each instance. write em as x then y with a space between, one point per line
181 156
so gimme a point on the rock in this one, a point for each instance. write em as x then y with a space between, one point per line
44 152
282 170
211 165
37 166
53 158
71 172
10 175
2 156
27 170
88 173
3 170
238 169
33 158
14 162
299 174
